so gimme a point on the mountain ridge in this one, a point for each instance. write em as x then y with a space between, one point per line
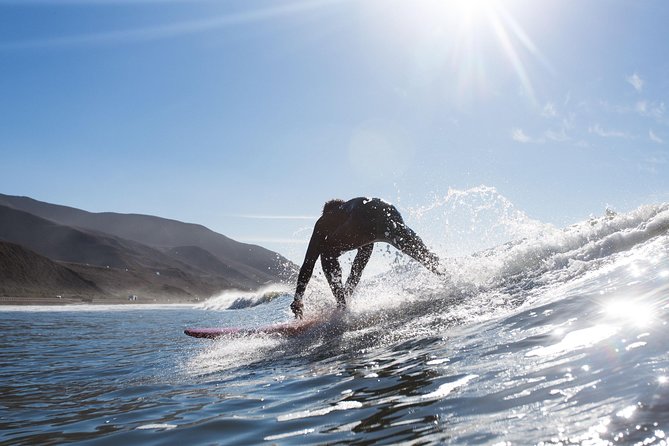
152 254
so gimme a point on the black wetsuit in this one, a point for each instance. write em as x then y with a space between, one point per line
357 224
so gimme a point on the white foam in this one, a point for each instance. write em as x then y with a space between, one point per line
441 392
342 405
237 299
289 434
483 237
156 426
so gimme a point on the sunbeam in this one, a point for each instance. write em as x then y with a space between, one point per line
460 37
169 30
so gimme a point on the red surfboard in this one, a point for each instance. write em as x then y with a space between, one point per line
286 329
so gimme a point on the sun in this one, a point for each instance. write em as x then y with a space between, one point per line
469 9
428 14
475 41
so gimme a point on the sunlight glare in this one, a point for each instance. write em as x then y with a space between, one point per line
632 312
575 340
459 33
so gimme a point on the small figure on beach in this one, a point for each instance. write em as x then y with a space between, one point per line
356 224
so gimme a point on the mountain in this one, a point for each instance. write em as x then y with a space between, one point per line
70 244
259 264
121 254
26 273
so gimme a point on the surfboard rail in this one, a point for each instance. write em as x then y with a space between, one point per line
293 328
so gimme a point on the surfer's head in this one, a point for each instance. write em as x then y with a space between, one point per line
332 206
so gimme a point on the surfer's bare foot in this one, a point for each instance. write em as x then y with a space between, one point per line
297 307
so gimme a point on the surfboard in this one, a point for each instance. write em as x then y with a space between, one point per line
293 328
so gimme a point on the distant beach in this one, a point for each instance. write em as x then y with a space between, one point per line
55 301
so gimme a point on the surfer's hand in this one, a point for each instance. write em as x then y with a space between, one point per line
297 306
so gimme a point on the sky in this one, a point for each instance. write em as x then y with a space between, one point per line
246 116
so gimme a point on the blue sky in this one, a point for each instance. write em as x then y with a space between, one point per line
245 116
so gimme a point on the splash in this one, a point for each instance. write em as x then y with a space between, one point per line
463 222
520 262
521 259
505 258
228 354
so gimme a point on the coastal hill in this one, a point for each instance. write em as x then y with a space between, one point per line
137 255
24 273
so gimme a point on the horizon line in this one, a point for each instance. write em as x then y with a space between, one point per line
273 217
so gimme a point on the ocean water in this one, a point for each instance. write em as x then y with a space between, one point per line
557 336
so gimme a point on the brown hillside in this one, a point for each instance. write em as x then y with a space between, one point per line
254 262
26 273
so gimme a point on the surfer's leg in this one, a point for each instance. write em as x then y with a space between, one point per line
332 270
407 241
361 259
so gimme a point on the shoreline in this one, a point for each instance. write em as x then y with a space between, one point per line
4 309
73 301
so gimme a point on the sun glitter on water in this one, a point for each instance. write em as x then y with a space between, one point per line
630 311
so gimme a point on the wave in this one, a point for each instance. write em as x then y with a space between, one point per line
561 321
237 299
520 248
487 282
528 260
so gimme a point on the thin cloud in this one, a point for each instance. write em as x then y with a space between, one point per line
635 81
549 110
653 137
559 136
607 133
568 121
653 164
648 109
260 239
641 107
519 136
653 110
273 217
567 99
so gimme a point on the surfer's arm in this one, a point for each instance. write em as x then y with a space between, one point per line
307 269
305 272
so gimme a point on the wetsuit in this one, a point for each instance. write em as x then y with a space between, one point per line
356 224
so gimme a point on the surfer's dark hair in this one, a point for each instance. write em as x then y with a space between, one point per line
332 205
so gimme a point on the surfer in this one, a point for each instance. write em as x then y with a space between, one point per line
356 224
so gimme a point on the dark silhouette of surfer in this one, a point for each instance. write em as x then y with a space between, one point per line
356 224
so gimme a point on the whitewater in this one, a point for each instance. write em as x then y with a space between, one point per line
537 335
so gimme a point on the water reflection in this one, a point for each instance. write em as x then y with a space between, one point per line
630 311
575 340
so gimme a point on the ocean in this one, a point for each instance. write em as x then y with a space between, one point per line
556 336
